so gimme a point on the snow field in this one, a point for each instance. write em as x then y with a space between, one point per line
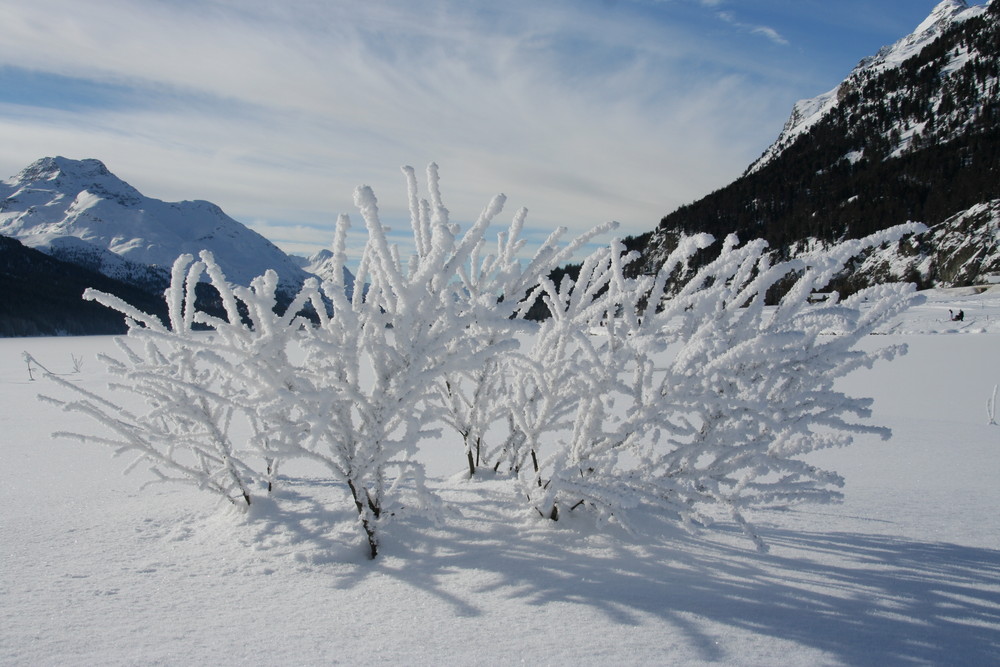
905 571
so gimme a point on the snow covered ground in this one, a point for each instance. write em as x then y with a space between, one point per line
94 570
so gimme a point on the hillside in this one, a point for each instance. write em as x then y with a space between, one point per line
42 296
912 134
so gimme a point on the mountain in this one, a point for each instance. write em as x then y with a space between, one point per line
42 296
912 133
321 264
806 113
66 225
313 261
79 211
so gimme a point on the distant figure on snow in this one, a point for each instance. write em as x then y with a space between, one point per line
957 317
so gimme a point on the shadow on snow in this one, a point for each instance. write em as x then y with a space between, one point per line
864 598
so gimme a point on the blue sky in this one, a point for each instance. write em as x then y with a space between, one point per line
581 110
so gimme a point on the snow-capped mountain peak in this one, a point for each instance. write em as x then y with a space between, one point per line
322 265
57 204
314 261
942 14
64 172
940 18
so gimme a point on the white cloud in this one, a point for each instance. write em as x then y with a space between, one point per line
770 33
764 31
276 111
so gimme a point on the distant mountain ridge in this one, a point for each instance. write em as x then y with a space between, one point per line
79 211
913 133
66 225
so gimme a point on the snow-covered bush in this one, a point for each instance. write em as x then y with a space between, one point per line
372 363
204 419
495 290
702 401
681 391
357 391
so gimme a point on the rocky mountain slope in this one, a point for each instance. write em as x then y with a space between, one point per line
913 133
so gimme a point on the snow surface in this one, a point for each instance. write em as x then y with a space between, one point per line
905 571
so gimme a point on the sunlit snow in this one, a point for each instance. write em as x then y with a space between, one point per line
906 571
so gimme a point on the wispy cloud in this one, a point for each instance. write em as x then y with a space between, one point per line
276 111
770 33
763 31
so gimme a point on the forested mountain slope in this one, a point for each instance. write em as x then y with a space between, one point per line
42 296
913 134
